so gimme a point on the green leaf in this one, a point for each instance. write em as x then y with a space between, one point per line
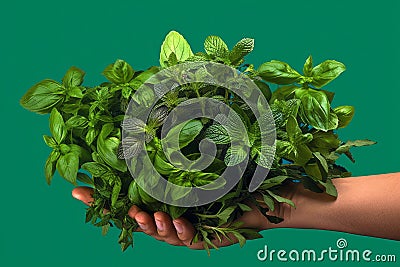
96 169
235 155
241 239
107 147
278 72
76 122
67 166
50 141
322 161
43 96
269 202
244 207
224 215
73 77
133 193
315 109
91 135
187 132
215 46
308 66
50 166
119 72
274 181
330 188
283 93
281 199
115 193
345 115
240 50
174 43
326 72
176 212
75 92
84 178
218 134
57 126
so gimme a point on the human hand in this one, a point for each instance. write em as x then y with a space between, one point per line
178 232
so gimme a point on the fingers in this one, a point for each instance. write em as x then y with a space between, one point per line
84 194
184 231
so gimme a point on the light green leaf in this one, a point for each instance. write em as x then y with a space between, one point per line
174 43
119 72
225 214
244 207
57 126
215 46
73 77
75 92
269 202
240 50
345 115
326 72
308 65
278 72
43 96
50 141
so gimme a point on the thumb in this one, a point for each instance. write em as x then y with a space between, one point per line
84 194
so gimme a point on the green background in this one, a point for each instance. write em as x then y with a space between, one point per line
44 226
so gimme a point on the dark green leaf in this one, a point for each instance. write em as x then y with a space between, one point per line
84 178
330 188
218 134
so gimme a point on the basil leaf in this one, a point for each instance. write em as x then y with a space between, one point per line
76 122
345 115
326 72
84 178
43 96
50 166
107 148
57 126
315 109
75 92
215 46
119 72
176 212
91 135
240 50
133 193
96 169
67 166
187 132
308 66
174 43
73 77
278 72
50 141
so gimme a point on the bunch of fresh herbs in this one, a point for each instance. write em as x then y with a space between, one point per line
86 125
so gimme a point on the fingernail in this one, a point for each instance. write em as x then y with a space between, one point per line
143 226
178 227
160 225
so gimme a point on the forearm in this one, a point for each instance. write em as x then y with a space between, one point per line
368 205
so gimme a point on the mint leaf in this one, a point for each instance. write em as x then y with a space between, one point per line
174 43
